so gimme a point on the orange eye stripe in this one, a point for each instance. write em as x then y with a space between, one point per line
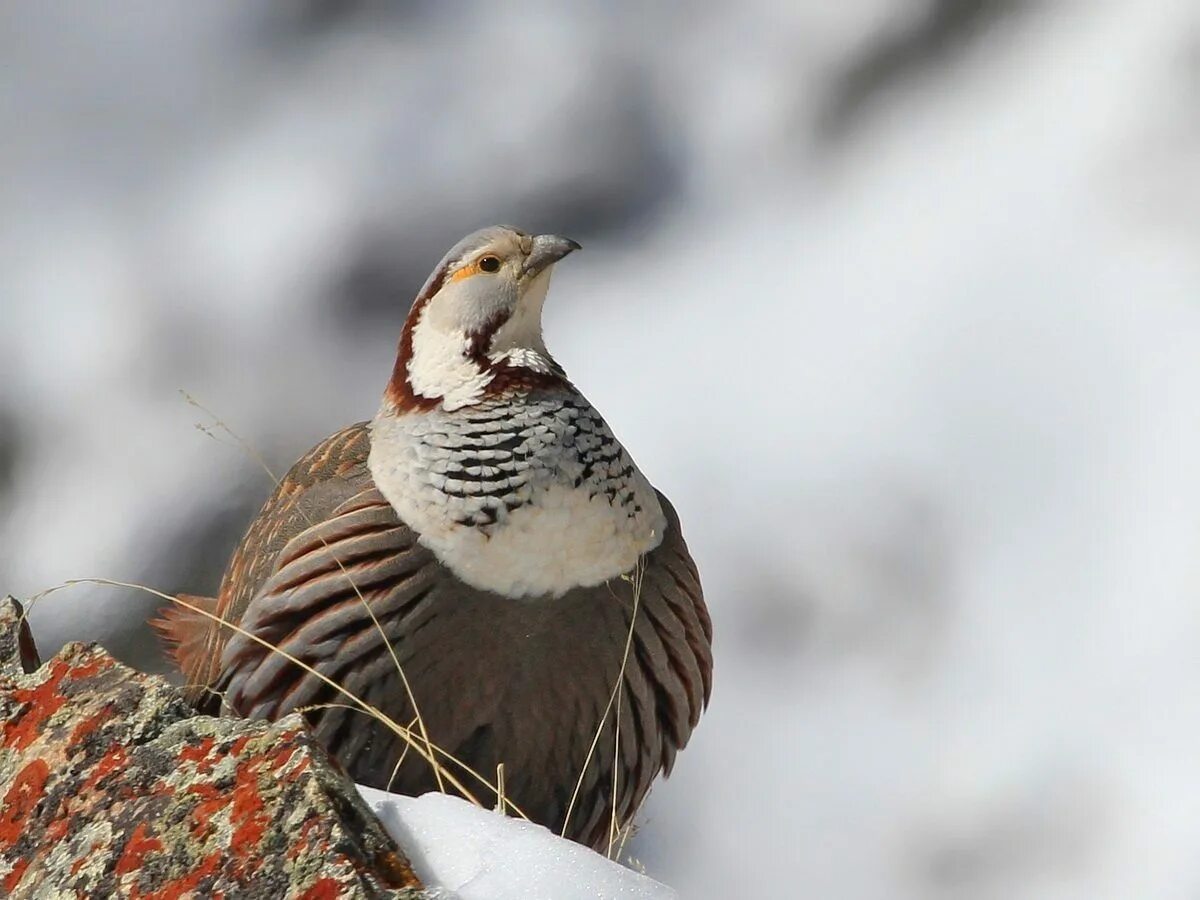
465 272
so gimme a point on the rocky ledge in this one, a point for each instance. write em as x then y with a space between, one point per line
112 786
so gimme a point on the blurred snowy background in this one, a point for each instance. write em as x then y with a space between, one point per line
899 301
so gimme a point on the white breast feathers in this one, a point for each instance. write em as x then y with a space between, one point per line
525 497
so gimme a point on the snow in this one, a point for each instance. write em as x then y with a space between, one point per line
475 854
925 398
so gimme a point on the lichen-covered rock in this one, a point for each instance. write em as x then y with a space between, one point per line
111 786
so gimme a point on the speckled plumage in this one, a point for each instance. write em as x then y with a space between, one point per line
526 495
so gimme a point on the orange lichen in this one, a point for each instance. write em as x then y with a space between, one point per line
212 801
89 725
136 849
39 704
93 666
112 761
196 752
247 817
86 742
323 889
22 797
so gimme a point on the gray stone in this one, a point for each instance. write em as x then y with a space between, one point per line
112 786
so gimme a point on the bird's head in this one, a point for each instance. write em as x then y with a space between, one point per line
478 321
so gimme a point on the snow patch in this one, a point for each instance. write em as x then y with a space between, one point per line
467 852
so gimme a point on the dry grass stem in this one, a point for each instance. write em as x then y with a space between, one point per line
250 451
411 741
424 748
420 742
614 826
612 699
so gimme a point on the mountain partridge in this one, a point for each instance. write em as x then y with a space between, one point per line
517 563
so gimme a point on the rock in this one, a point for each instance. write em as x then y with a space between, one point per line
112 786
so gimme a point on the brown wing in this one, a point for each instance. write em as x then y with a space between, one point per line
666 686
526 683
332 470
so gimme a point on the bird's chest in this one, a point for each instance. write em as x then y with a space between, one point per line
525 499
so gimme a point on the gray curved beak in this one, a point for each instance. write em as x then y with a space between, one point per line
547 250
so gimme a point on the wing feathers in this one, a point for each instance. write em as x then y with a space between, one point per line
522 681
313 606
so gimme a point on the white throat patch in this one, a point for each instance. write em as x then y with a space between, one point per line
440 367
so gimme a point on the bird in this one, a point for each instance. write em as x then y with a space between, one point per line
482 563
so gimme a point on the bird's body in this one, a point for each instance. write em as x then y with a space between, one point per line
521 567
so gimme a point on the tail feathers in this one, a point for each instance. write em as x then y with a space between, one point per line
190 637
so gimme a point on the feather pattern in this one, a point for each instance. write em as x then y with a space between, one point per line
523 682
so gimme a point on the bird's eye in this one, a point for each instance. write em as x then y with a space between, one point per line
489 264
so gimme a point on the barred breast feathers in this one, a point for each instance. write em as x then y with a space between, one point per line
522 494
